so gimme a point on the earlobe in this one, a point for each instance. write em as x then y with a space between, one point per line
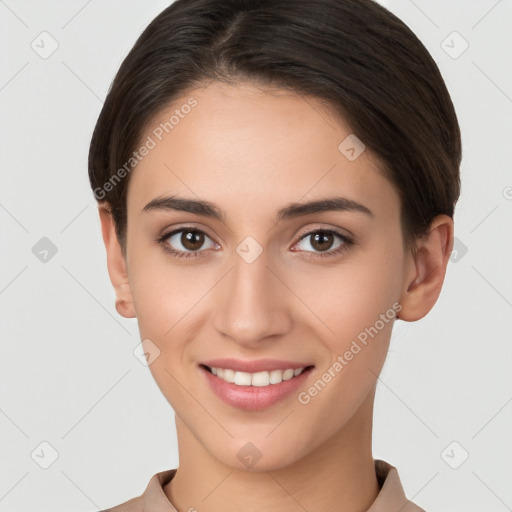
116 264
426 270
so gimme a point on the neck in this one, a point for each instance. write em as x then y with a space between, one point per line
339 475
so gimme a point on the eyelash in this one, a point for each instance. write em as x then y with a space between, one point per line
347 243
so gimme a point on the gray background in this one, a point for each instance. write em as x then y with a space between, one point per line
68 375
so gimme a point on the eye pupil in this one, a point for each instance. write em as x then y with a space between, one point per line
192 240
319 241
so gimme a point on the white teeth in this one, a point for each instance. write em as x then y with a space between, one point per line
276 376
259 379
287 374
229 375
242 379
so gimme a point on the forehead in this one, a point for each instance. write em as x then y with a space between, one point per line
253 149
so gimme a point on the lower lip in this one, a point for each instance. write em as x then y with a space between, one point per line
253 398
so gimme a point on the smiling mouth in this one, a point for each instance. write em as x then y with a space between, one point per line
256 379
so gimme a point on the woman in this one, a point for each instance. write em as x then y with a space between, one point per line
276 183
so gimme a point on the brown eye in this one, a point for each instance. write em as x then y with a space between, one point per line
324 242
321 240
187 240
192 240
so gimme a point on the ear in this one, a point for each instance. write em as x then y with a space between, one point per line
426 270
116 264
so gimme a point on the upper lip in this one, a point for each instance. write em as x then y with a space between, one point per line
257 365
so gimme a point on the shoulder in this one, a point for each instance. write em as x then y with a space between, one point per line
133 505
152 498
392 495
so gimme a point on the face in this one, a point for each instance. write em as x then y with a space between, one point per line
266 279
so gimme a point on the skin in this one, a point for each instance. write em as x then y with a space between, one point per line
253 150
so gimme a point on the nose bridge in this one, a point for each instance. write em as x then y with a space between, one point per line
250 307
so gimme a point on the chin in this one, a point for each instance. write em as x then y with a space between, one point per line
255 456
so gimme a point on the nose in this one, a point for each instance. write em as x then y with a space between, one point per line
252 303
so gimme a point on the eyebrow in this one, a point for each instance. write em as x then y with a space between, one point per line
293 210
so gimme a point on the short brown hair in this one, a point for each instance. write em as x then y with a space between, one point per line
353 55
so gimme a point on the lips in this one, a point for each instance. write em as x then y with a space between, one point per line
255 396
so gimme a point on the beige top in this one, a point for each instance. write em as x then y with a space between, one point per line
391 497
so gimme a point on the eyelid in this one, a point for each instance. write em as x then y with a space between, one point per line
327 227
176 229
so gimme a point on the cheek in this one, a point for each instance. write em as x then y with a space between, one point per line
357 302
168 312
350 297
360 315
164 293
